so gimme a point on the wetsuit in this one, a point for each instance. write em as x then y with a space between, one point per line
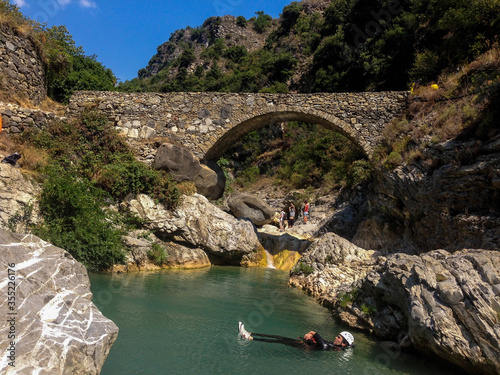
316 343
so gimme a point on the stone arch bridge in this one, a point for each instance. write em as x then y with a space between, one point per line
209 123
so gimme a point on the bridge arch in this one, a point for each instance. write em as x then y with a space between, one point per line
232 135
208 123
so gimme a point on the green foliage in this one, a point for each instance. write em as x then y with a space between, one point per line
318 157
236 53
75 220
359 172
21 217
290 15
158 255
224 164
262 22
249 175
426 66
305 156
348 298
368 309
91 167
304 268
125 175
69 69
186 58
241 21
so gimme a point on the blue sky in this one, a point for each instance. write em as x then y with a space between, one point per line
124 34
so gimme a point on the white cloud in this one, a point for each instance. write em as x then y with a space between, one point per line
21 3
88 4
64 2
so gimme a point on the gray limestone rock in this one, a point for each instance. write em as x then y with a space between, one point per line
196 223
178 161
244 205
209 184
447 304
55 327
18 199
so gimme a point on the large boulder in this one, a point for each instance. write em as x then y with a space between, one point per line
50 324
196 223
249 206
141 244
446 305
184 166
185 257
208 183
178 161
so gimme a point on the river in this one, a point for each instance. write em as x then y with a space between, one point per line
185 322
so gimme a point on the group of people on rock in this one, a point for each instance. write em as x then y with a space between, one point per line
288 220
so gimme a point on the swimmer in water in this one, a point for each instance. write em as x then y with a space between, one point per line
311 340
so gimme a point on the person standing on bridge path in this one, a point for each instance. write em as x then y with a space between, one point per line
306 211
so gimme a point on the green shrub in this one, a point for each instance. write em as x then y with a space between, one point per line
426 66
304 268
249 175
368 309
125 175
347 298
262 22
75 220
157 254
241 21
23 217
393 160
359 172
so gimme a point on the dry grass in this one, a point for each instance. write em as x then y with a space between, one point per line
187 187
438 115
32 159
48 105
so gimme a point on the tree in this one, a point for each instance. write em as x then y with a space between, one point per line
69 69
262 22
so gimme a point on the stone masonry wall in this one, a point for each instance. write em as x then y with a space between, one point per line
21 69
209 123
17 119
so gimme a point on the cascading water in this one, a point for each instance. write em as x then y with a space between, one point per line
269 258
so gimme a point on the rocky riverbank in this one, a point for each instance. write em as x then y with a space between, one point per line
442 304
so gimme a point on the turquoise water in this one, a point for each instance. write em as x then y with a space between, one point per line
185 322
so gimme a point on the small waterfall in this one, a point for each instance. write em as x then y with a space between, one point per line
269 258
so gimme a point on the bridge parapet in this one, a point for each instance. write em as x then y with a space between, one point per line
208 123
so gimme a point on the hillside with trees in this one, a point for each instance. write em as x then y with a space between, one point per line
325 46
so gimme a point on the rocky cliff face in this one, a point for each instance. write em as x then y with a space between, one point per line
224 28
50 324
443 304
452 206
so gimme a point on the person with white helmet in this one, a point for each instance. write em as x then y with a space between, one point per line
343 340
311 340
